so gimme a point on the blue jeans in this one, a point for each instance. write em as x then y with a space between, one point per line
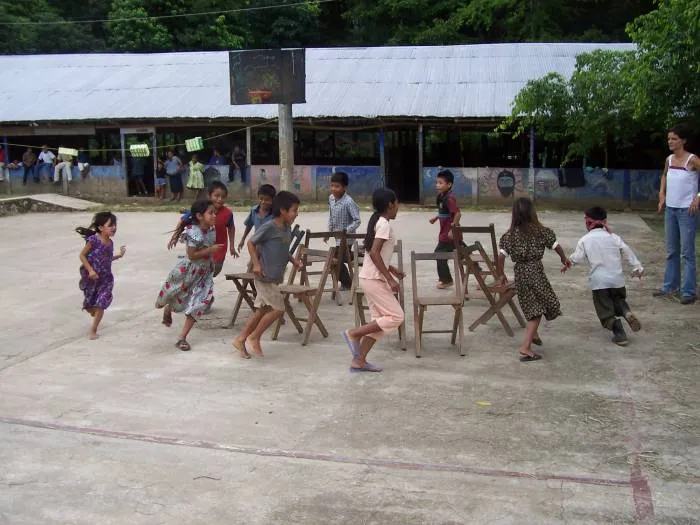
680 243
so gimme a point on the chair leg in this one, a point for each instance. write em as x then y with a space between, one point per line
416 330
278 323
312 318
461 332
455 321
236 309
356 310
402 336
516 312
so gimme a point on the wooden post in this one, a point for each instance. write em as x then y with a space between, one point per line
531 181
420 163
5 169
286 145
123 166
382 160
249 160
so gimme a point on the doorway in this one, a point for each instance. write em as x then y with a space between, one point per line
142 168
401 163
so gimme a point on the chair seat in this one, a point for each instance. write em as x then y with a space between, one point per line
439 300
243 276
294 289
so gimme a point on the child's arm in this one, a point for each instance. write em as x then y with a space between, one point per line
662 188
172 242
194 253
354 211
248 227
122 252
566 263
86 264
255 259
296 262
376 255
232 240
578 257
637 268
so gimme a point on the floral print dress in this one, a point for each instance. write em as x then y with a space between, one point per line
526 249
98 293
189 288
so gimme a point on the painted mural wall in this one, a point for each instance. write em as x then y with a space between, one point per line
100 180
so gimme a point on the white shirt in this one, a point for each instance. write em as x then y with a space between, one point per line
383 230
681 184
604 251
46 156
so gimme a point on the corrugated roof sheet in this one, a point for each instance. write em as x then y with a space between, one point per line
445 82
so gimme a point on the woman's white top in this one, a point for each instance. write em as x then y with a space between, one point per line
681 184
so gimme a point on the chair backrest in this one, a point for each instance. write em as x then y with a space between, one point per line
437 256
359 255
297 236
460 232
321 235
326 256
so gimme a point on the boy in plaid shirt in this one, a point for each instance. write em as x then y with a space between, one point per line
343 215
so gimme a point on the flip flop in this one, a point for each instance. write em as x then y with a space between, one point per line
369 367
183 345
354 350
524 358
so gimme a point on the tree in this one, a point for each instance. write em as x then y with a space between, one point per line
667 68
142 34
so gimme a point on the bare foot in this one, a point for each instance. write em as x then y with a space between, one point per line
240 346
255 346
92 336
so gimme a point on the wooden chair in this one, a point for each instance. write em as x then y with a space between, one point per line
453 298
348 243
334 290
309 295
497 295
459 233
244 281
358 295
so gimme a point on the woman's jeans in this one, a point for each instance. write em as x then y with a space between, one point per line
680 244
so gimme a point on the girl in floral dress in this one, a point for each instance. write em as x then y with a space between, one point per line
189 288
96 279
525 243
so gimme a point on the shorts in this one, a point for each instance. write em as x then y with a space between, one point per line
268 294
161 182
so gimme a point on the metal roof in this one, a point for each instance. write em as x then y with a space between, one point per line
466 81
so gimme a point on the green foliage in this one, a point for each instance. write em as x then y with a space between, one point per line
142 34
667 68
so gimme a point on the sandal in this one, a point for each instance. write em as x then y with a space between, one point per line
167 319
183 345
524 358
537 341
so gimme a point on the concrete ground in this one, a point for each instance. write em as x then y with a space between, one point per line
129 430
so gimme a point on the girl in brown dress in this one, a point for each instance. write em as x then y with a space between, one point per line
524 243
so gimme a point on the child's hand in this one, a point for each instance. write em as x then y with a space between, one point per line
92 274
432 220
563 268
398 273
503 280
393 285
240 246
216 247
172 242
257 271
638 272
298 265
325 240
122 251
233 251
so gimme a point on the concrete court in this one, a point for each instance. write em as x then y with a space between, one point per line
129 430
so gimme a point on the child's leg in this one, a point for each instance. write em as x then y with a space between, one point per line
443 269
530 335
250 325
622 309
167 315
604 307
97 317
182 343
253 339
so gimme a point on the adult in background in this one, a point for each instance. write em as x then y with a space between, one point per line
3 165
29 163
138 172
239 163
46 161
679 193
173 169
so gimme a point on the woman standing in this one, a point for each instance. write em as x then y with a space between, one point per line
679 193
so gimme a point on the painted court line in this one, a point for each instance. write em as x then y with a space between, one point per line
313 456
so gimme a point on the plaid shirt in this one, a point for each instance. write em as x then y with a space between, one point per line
344 214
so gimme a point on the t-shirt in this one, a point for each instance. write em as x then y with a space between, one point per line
254 220
446 213
272 242
382 230
224 220
47 157
172 165
681 184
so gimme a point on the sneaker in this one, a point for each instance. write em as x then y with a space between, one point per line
632 320
688 300
619 335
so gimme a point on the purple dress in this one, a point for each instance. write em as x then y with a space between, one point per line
98 293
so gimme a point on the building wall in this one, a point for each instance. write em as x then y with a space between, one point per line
474 186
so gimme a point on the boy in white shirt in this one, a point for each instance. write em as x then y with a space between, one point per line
603 251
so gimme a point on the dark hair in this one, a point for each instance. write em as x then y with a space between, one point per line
218 185
267 190
446 175
198 207
381 198
341 178
597 213
524 215
100 219
681 130
284 200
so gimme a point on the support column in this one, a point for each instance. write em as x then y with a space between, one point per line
420 163
531 176
286 146
5 169
123 166
382 161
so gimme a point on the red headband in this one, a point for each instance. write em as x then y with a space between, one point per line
596 223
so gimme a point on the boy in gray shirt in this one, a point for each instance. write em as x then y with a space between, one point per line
269 254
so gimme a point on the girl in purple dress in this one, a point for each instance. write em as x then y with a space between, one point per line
96 279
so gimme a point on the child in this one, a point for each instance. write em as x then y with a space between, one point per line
96 279
377 281
269 253
195 180
343 215
602 249
224 227
161 183
524 243
448 216
260 213
189 288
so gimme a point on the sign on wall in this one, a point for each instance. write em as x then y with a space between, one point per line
268 76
